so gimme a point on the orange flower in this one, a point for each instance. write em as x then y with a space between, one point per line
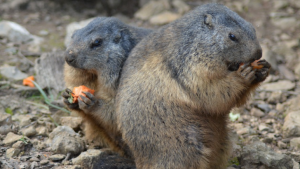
79 91
28 81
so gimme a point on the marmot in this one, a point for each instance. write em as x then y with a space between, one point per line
179 84
95 58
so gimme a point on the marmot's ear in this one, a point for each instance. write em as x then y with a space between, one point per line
208 20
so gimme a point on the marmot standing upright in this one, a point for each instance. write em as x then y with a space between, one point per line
95 58
179 84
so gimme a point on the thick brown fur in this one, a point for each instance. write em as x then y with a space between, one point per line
95 58
180 83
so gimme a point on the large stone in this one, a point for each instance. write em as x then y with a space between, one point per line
280 85
103 158
49 71
151 8
12 152
64 140
29 132
291 126
16 33
74 26
295 143
164 18
12 73
258 153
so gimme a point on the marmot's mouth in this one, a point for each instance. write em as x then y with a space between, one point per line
235 65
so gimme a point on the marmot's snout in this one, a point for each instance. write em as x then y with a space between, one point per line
258 54
70 56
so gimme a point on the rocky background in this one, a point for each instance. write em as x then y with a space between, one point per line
37 132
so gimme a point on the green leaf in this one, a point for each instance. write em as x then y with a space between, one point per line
70 99
234 117
9 111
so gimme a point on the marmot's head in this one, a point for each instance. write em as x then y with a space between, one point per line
104 42
212 33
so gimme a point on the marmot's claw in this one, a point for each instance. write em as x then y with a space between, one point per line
87 103
71 105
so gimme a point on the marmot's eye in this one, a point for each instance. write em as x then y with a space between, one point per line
232 37
96 43
117 40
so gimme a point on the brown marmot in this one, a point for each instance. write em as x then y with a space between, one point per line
179 84
95 58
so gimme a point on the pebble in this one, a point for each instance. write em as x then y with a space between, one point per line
57 157
44 162
256 112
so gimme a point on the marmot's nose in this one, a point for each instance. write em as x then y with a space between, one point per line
70 56
258 54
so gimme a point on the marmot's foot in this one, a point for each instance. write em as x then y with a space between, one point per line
247 73
66 94
88 102
261 74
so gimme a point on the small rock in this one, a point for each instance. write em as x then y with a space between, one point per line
34 159
258 153
285 73
12 152
4 129
12 73
150 9
280 85
164 18
297 70
23 166
44 162
279 4
264 107
180 6
29 132
5 118
73 122
277 97
11 138
281 145
291 126
15 32
263 127
242 131
57 157
97 158
25 158
42 131
34 165
285 23
18 145
256 112
295 143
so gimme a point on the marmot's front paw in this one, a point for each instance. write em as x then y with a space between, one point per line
66 95
262 74
247 73
87 103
